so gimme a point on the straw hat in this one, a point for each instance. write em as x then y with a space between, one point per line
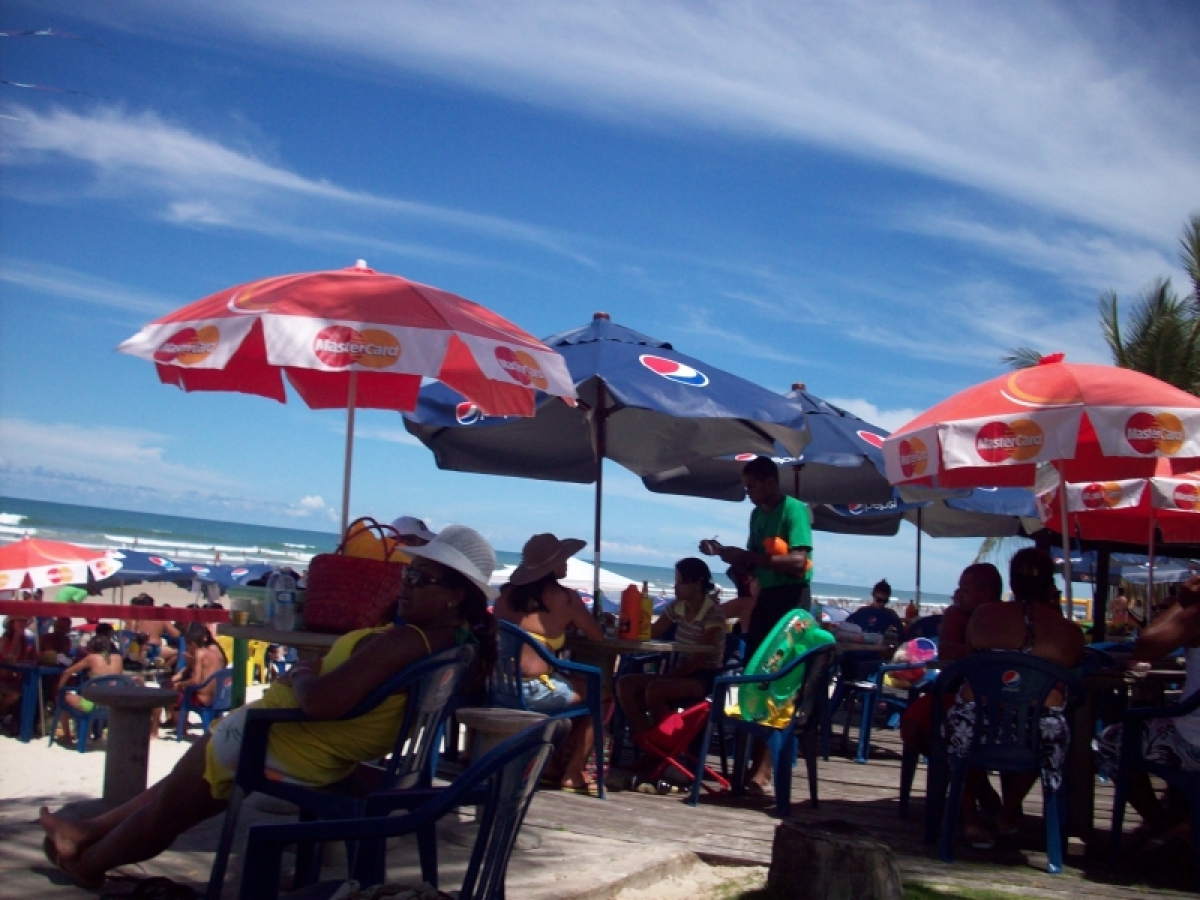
542 554
464 550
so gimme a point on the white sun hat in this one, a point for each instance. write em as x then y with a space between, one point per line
464 550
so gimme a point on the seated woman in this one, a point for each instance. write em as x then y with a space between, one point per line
534 600
1170 742
443 601
102 659
648 699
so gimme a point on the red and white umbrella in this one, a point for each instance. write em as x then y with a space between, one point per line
1092 423
36 563
1126 511
351 338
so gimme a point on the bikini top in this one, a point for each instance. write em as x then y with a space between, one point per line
1030 638
554 644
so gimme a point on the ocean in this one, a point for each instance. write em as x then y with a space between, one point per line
185 539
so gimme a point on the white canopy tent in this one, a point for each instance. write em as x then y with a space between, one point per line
579 577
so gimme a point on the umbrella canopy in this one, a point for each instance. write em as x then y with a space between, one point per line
34 563
985 512
347 339
1093 422
842 463
641 404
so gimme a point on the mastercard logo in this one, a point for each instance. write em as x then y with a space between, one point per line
673 371
871 438
188 346
1149 433
522 368
1104 495
59 574
999 442
467 413
340 346
1187 497
103 568
914 457
4 580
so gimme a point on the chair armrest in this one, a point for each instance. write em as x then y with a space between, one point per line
383 803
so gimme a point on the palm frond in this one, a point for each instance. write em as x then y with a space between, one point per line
1021 358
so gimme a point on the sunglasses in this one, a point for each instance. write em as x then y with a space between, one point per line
417 578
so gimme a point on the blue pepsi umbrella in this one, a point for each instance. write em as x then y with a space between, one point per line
641 404
842 463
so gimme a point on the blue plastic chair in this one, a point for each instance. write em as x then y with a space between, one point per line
1132 760
86 723
782 743
504 685
222 702
1010 691
429 684
895 699
503 782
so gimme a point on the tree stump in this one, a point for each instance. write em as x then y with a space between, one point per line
832 860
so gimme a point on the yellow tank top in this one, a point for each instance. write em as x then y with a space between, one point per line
325 752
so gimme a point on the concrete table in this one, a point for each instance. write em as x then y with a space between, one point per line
128 735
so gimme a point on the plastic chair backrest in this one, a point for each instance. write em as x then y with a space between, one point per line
816 679
99 713
223 698
1010 690
430 684
504 684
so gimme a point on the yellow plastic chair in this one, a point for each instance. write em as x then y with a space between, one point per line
257 658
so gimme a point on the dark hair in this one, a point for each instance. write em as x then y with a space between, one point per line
1031 575
197 633
104 629
741 578
882 587
100 643
763 468
989 577
142 600
527 598
694 570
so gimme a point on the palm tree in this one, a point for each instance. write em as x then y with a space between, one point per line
1161 336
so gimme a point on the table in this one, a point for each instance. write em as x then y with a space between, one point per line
312 641
1146 685
128 753
30 674
44 610
602 654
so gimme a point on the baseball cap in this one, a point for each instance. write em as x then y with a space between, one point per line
411 526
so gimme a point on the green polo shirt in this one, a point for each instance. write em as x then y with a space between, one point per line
789 520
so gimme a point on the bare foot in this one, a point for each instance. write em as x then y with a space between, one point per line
65 838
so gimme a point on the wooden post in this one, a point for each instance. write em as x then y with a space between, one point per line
832 860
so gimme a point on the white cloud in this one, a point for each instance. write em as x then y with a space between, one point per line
198 180
313 502
56 281
890 419
1086 114
113 455
389 435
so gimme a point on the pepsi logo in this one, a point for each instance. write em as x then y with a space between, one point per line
467 413
854 508
745 457
871 438
673 371
239 572
159 561
1011 679
199 570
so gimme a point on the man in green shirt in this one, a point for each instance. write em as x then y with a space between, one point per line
778 552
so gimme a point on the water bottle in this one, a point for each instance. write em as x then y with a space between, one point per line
281 596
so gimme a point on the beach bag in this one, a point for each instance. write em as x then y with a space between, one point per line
345 593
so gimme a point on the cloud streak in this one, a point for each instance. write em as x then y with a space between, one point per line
1044 106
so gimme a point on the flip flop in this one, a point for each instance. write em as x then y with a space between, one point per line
586 790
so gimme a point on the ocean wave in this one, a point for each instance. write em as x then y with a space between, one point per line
11 529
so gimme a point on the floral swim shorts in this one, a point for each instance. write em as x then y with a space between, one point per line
1055 733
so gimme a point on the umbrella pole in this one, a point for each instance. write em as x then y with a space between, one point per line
600 426
1150 575
1066 542
37 648
351 398
919 559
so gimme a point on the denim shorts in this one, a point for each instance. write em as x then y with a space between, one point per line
547 693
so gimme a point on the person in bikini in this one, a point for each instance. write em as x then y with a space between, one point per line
102 659
443 601
534 600
1033 623
151 633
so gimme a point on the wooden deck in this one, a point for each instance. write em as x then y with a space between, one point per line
728 830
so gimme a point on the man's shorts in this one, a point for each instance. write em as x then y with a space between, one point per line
1161 743
547 693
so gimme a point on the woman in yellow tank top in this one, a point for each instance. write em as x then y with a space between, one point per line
445 592
534 600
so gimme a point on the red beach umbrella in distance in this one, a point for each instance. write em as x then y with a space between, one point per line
34 562
347 339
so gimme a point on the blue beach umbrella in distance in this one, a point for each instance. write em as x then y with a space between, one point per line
641 404
842 463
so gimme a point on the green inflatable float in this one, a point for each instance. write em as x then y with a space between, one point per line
771 702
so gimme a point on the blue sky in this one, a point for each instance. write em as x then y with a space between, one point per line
874 199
